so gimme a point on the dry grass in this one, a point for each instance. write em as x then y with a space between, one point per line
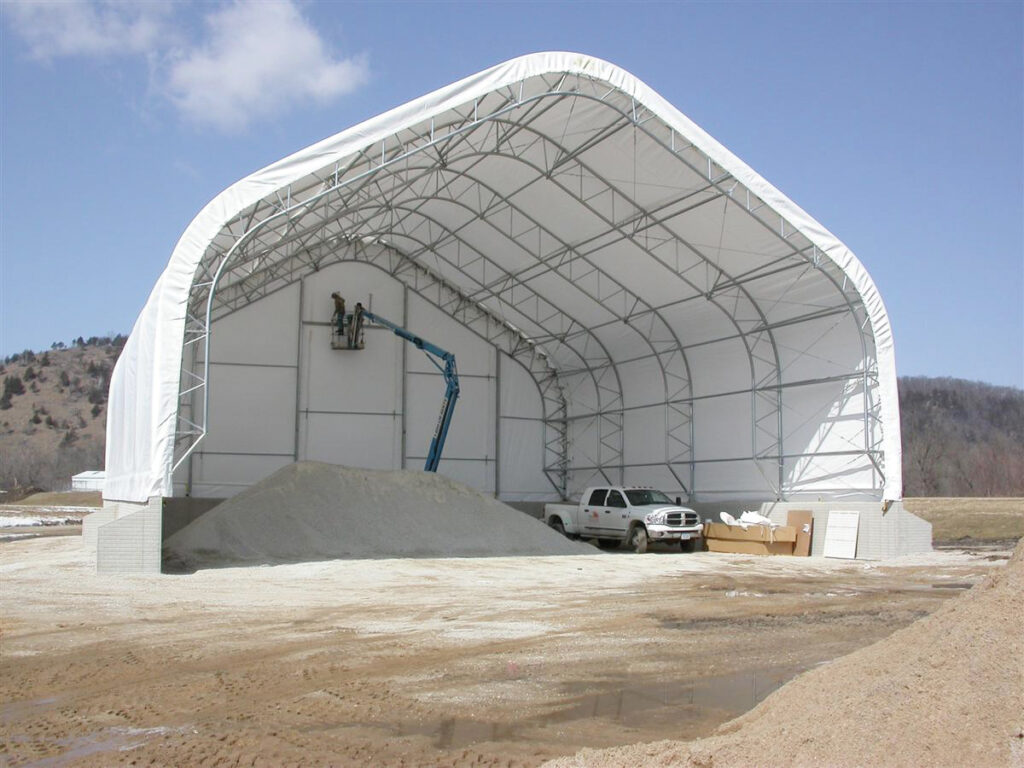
974 518
68 499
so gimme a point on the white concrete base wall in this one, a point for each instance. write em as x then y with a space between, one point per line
880 534
91 524
130 539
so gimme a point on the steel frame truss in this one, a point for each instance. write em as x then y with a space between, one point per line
380 207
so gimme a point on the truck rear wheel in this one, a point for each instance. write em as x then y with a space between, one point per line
556 525
638 540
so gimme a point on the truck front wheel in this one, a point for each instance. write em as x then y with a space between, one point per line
638 540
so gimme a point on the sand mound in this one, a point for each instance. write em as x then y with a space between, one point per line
946 691
314 511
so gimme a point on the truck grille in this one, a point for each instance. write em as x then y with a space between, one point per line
676 518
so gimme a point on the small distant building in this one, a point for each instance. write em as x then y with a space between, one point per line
90 480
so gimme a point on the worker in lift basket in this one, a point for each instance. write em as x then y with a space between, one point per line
339 313
355 327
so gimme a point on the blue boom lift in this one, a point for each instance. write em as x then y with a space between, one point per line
348 334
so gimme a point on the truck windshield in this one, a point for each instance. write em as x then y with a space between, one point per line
640 498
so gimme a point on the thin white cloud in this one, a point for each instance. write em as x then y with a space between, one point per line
259 58
52 29
256 59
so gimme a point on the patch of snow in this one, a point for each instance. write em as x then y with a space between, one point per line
23 521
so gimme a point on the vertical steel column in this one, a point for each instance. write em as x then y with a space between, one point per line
191 413
497 422
298 365
405 362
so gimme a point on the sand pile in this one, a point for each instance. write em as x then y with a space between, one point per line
946 691
314 511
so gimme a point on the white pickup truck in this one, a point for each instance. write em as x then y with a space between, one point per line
614 514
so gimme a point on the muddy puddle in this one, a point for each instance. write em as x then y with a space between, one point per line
690 709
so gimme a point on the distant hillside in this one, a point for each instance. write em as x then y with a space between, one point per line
53 412
960 438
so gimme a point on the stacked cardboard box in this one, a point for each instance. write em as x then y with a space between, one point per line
754 540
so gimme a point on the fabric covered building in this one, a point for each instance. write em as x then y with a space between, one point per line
627 301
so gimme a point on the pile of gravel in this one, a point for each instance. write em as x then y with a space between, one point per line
314 511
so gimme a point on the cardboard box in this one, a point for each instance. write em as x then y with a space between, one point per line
750 547
763 533
798 518
755 540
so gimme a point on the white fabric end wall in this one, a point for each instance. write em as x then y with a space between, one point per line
279 393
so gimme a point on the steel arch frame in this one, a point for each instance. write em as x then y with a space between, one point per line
461 131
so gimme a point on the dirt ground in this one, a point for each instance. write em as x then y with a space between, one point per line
457 662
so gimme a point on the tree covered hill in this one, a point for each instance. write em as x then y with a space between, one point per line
53 412
960 438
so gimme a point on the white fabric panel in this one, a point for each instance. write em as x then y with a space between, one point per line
730 239
473 355
522 474
654 282
356 440
521 431
697 321
722 367
144 387
732 479
138 459
553 208
722 427
222 476
471 435
365 380
252 409
824 418
809 351
264 332
622 341
645 435
643 381
581 392
519 394
584 443
572 297
832 476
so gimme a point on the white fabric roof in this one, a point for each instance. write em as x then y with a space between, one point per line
556 205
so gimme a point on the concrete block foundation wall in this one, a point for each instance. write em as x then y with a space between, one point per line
127 536
880 535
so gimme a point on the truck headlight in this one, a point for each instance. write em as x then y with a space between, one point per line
655 518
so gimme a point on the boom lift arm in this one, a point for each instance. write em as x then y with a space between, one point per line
443 360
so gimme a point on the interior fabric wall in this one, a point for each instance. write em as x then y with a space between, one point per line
279 393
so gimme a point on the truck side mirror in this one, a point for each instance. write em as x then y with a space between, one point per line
679 502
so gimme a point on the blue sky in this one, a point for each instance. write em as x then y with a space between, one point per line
899 127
